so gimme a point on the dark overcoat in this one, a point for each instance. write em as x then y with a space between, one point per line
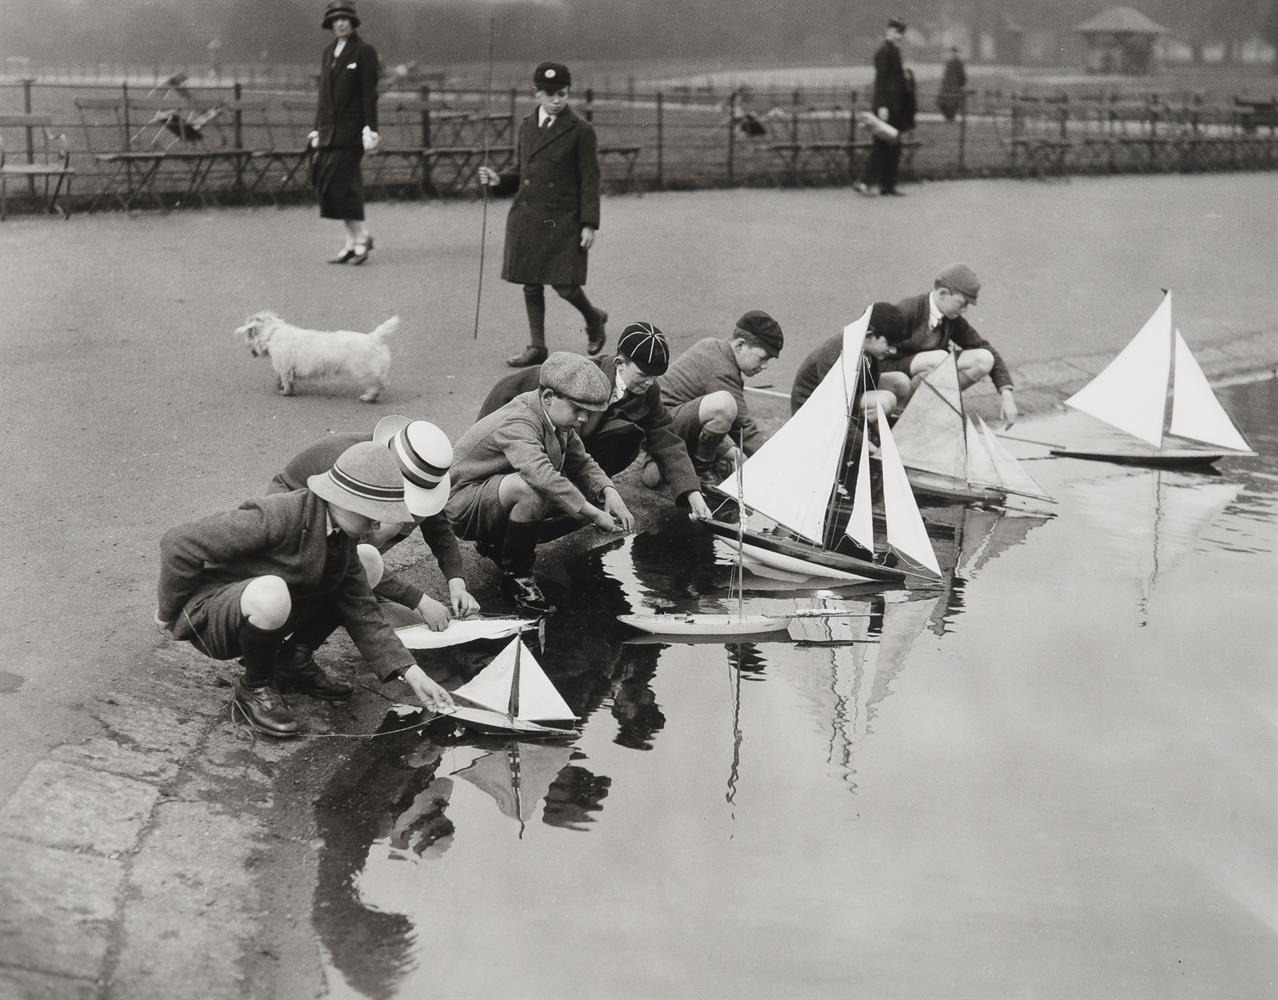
347 93
889 82
556 188
956 331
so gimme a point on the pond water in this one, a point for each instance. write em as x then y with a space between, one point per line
1053 776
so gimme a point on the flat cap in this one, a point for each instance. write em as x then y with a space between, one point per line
646 346
959 278
576 378
763 328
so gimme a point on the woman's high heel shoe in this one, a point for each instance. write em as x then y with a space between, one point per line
343 257
362 251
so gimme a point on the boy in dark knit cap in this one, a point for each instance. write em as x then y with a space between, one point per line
883 335
704 389
636 419
525 462
934 326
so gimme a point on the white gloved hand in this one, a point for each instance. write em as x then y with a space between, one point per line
312 139
371 139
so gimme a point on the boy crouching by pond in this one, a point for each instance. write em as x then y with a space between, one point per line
242 582
523 464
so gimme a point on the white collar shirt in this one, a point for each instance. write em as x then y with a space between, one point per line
619 389
337 49
934 315
545 120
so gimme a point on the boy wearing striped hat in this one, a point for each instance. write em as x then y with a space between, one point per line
424 454
241 582
635 419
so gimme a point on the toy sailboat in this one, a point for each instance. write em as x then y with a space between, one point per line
946 454
512 695
794 481
1132 393
698 624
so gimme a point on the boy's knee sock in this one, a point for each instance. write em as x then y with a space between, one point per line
575 296
707 449
535 306
519 547
257 652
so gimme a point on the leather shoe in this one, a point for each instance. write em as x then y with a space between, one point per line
863 189
361 252
595 335
525 593
264 710
342 257
532 355
296 670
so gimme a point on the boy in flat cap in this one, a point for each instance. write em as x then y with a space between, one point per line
424 454
704 389
553 221
935 326
636 420
242 582
525 462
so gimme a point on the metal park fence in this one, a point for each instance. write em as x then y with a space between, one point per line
125 146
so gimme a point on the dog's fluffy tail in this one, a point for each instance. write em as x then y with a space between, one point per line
386 329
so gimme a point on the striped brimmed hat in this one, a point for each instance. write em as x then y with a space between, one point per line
365 479
646 346
424 454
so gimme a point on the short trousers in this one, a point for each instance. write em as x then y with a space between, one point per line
475 510
686 418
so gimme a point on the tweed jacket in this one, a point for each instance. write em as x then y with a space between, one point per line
520 438
347 93
436 532
708 366
284 535
646 411
950 331
556 186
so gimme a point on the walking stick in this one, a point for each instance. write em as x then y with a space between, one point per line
483 232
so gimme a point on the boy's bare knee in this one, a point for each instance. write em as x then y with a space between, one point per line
266 603
717 411
976 363
371 560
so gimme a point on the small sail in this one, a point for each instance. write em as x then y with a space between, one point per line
491 687
861 524
1196 412
1011 474
982 469
790 477
905 530
930 432
1131 393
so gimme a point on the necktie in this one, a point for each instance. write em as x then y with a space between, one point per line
550 120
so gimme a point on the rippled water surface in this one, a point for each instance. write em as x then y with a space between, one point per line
1055 776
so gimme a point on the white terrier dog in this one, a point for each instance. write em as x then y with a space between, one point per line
296 353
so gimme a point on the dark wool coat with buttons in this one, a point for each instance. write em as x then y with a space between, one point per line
556 187
347 93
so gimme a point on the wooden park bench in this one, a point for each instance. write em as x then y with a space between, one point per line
1256 114
627 157
35 160
829 159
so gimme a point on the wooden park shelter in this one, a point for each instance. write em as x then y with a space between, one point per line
1120 40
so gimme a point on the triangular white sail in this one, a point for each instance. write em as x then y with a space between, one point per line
1131 392
538 699
1011 474
981 467
1196 412
905 530
929 433
790 477
861 524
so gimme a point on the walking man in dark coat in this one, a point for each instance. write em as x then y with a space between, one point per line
553 221
345 127
890 104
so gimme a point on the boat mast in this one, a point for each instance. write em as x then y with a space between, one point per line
828 533
512 707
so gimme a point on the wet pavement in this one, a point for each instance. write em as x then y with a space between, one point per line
150 849
1052 776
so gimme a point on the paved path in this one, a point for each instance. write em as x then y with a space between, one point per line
143 846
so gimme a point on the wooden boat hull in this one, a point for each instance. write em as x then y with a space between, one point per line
706 624
1169 458
495 723
800 560
945 488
